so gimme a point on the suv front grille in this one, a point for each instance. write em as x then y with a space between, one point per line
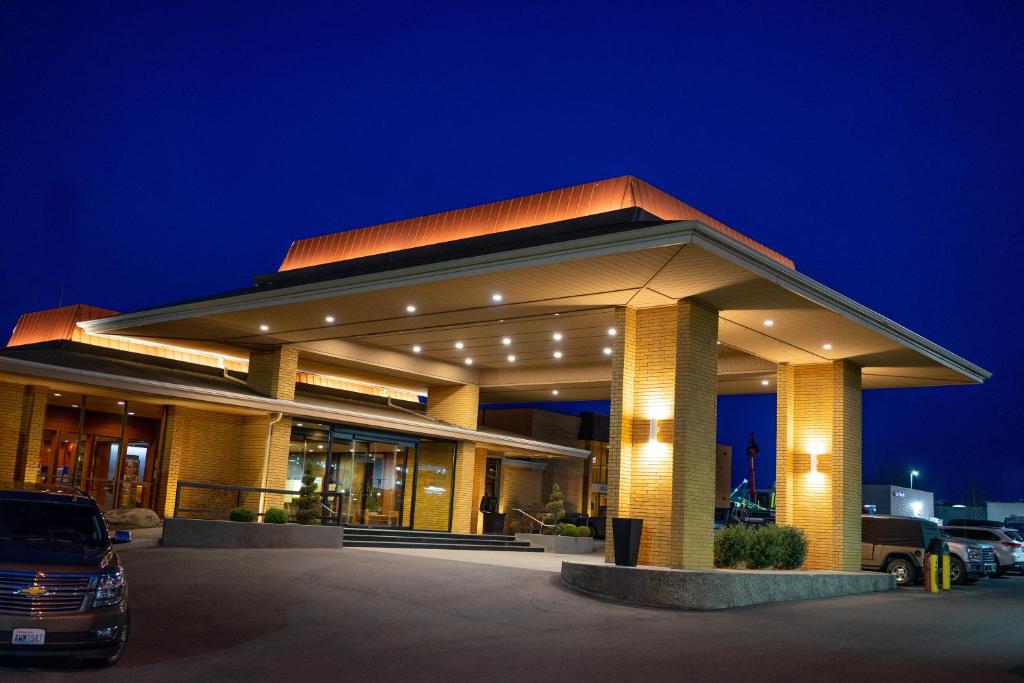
988 555
63 592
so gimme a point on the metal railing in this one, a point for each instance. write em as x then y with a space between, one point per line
526 514
330 514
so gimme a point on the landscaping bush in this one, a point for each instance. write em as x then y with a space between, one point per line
566 529
584 531
275 516
792 546
731 546
242 515
767 547
556 504
308 507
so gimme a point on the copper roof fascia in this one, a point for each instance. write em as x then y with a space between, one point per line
528 211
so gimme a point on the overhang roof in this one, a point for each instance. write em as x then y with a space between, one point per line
578 201
567 283
64 370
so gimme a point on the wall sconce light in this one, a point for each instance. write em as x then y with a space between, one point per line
653 431
814 462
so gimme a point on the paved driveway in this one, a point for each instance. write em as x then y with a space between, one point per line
255 615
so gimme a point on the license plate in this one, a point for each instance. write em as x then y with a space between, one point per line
28 636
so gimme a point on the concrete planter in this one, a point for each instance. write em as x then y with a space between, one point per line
561 545
717 588
205 533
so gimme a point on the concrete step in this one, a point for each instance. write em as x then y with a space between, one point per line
360 531
414 541
441 546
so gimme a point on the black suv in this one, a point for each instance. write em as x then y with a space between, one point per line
62 587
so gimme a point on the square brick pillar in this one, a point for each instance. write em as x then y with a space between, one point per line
459 404
818 460
22 414
661 461
272 371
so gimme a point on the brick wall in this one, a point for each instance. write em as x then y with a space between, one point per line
819 414
22 413
665 370
568 474
521 487
272 371
456 404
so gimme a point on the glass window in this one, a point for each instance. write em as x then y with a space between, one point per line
434 476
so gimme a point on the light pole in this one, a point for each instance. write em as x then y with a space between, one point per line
913 473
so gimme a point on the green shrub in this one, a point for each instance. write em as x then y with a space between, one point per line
731 546
242 515
584 531
308 507
556 504
275 516
767 547
792 547
566 530
764 551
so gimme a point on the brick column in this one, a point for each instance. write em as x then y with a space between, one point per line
459 404
253 455
22 414
665 373
818 460
272 371
694 443
620 424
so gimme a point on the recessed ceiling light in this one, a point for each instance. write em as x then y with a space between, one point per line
827 347
764 382
329 319
74 405
554 392
417 348
130 412
120 403
459 345
769 323
496 297
57 395
299 424
612 331
410 308
558 354
506 340
557 314
607 350
511 359
718 343
469 361
264 328
557 336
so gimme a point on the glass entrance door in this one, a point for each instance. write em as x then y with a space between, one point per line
371 478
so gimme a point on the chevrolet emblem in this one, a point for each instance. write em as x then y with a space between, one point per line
33 591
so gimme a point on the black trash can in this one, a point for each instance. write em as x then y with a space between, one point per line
626 535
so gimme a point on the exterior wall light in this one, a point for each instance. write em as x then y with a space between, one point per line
652 436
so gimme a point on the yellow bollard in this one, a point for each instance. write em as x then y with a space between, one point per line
931 573
945 567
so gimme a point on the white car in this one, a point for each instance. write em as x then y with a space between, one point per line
1008 544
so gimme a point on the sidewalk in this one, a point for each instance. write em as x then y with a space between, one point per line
543 562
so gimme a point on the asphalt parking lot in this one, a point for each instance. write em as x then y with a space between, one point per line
255 615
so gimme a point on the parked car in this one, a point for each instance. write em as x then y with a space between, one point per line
62 587
1008 544
975 522
897 545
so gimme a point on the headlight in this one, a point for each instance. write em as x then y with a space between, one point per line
974 553
110 589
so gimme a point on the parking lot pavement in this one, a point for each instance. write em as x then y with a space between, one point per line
255 615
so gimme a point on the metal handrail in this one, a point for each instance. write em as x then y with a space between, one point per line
239 490
532 518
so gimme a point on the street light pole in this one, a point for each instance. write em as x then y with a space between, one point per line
913 473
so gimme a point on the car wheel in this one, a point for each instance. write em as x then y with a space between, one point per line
1000 570
957 571
903 570
122 642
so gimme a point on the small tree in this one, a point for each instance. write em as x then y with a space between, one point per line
556 504
308 509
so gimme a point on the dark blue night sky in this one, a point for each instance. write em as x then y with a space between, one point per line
158 151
